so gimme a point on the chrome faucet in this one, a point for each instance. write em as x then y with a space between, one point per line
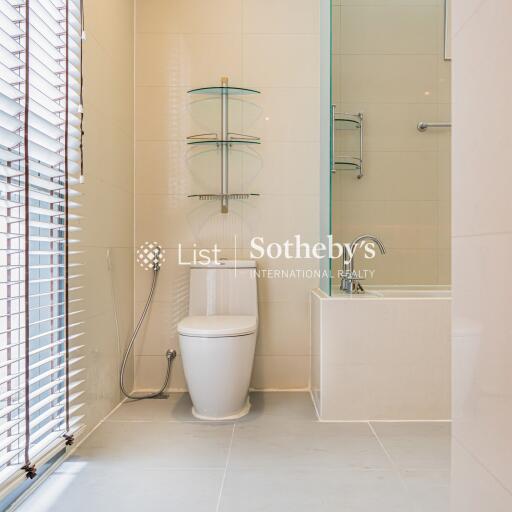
349 283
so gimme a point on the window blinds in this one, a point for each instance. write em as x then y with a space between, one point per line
40 164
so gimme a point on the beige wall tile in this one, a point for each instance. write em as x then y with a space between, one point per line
188 16
398 224
283 329
482 242
280 372
274 168
283 17
169 113
389 78
391 175
184 60
150 373
389 2
473 488
173 220
260 216
286 280
393 127
273 115
390 29
336 29
281 60
106 205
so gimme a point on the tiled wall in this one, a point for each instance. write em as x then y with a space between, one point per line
482 245
268 45
388 63
107 201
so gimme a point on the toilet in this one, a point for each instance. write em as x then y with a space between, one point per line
218 338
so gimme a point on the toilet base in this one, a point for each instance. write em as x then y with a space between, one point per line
240 414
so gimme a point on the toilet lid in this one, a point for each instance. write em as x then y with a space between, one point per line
216 326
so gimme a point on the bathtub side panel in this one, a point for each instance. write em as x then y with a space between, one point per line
316 343
386 359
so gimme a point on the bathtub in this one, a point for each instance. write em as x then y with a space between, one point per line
382 355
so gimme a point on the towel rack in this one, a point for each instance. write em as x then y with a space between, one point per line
424 126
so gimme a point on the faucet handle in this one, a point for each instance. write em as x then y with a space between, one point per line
352 285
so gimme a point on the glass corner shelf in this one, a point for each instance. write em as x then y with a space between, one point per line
213 197
348 163
233 138
348 121
220 90
231 141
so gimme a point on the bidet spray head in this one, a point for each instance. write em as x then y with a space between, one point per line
150 256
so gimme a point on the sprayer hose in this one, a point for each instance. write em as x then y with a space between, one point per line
171 354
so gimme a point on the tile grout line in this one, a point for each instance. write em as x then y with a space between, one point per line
394 466
225 469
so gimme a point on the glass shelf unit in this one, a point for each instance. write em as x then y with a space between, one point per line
224 140
342 122
216 90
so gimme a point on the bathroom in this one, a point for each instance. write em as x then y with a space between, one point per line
255 245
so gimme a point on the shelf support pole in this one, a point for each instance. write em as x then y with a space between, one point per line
224 147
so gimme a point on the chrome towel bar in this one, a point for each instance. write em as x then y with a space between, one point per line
423 126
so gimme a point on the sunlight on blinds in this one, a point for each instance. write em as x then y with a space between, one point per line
40 164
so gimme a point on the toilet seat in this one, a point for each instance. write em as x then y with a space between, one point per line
218 326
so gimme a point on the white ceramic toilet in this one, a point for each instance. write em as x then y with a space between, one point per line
218 338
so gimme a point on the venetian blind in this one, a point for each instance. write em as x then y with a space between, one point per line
40 165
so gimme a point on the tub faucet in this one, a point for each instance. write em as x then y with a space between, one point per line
349 283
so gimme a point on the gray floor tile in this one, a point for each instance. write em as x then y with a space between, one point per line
416 445
278 406
175 408
80 488
428 489
158 445
306 445
274 490
153 455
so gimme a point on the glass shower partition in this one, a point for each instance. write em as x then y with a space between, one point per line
326 138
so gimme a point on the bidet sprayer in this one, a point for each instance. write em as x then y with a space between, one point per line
150 256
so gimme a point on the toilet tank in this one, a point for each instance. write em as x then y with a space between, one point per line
228 287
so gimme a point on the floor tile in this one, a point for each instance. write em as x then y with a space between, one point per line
278 406
306 445
81 488
153 455
177 407
416 445
313 490
158 445
429 489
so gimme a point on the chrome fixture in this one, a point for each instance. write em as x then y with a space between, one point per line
150 256
349 283
346 121
424 126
